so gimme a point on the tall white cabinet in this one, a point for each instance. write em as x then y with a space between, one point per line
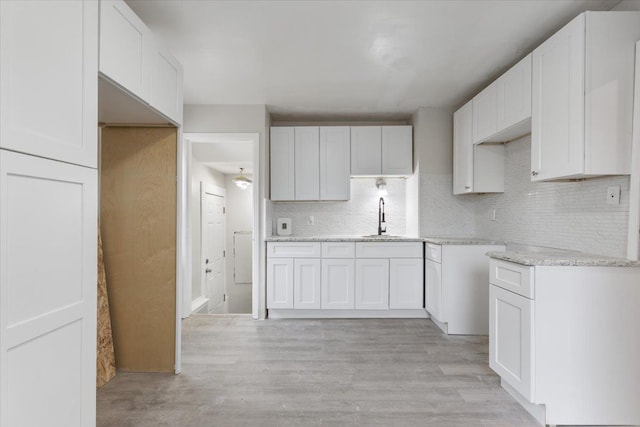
48 212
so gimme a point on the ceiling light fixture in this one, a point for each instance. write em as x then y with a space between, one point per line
381 185
242 181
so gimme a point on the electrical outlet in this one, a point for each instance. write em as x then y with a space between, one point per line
613 195
311 220
493 215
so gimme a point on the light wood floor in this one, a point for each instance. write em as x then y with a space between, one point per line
368 372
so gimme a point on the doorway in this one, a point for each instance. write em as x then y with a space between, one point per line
221 210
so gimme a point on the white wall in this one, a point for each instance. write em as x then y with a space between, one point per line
356 217
199 173
568 215
239 218
627 5
441 213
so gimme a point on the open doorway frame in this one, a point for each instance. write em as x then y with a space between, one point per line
184 238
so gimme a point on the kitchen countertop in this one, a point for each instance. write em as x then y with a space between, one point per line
342 239
434 240
461 241
561 258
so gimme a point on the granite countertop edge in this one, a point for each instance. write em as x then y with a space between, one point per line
571 259
433 240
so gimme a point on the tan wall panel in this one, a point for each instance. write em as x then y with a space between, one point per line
138 220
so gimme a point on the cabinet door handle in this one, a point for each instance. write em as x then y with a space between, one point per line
534 173
467 187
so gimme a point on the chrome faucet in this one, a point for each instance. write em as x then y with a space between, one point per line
381 217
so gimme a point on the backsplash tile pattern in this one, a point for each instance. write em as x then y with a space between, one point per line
567 215
358 216
441 213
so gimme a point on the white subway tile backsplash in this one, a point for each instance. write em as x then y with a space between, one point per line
570 215
358 216
442 213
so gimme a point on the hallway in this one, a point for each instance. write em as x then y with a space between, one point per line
387 372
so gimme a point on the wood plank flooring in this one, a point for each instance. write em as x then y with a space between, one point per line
355 372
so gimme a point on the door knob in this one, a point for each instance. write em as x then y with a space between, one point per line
208 270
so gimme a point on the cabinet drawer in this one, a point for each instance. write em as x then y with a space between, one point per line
389 250
512 277
433 252
338 249
293 249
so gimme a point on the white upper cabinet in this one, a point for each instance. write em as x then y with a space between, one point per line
335 163
463 150
307 163
485 113
381 150
366 150
282 161
122 45
48 68
502 111
514 101
132 59
397 150
165 82
476 168
582 101
310 163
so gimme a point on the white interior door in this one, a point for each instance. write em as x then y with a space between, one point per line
213 248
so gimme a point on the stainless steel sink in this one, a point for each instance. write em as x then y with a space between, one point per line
379 236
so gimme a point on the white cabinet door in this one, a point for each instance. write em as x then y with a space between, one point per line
280 283
433 288
406 283
511 339
48 79
337 284
165 82
366 150
123 42
463 150
397 150
514 95
282 163
307 163
48 265
372 284
306 283
557 120
485 113
335 163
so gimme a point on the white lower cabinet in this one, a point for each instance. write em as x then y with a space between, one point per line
343 279
511 338
406 284
306 283
337 284
280 283
433 288
456 285
561 342
372 284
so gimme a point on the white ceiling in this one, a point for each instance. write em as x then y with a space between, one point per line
350 57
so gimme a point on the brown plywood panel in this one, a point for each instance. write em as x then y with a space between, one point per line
106 362
138 220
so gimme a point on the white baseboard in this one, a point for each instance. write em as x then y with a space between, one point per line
198 304
539 412
346 314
